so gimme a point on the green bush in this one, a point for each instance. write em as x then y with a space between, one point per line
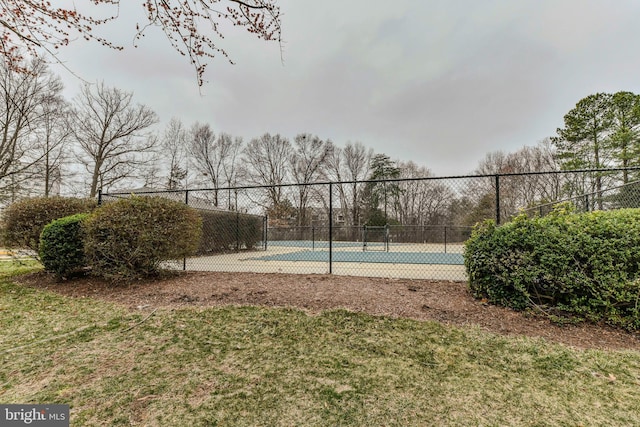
130 238
23 221
582 265
62 246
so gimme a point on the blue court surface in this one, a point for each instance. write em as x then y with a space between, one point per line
369 257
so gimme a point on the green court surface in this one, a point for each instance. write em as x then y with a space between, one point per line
369 257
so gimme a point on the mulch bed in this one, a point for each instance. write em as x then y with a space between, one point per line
442 301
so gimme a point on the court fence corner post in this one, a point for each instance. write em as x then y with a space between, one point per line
237 231
330 228
186 202
497 178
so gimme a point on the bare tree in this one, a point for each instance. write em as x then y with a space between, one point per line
53 139
347 166
24 98
213 157
308 157
518 191
266 163
357 160
193 27
334 171
174 146
110 132
420 202
536 189
231 168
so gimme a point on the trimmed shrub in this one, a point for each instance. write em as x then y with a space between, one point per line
586 266
62 246
130 238
25 220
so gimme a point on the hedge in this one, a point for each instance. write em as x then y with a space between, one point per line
130 238
223 231
23 221
62 246
585 266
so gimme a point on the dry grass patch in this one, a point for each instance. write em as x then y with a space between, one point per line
247 366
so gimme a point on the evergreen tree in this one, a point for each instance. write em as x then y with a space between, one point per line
625 132
582 143
382 193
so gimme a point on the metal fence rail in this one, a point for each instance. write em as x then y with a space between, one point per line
617 197
409 228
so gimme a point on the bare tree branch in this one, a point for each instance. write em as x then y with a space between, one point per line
110 132
38 27
23 108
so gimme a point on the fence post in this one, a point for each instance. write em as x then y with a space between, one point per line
497 199
265 228
186 202
586 203
313 238
385 201
99 196
237 231
330 228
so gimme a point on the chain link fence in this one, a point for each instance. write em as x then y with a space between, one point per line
401 228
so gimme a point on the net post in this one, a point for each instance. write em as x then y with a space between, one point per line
445 239
265 230
364 238
386 237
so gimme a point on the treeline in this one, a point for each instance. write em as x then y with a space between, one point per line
103 139
51 145
601 132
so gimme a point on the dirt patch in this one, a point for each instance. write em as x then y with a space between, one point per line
442 301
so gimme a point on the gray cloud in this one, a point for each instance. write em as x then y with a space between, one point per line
437 82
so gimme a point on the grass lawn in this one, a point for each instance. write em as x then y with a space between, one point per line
252 366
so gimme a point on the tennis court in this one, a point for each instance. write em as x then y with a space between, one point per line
439 258
395 260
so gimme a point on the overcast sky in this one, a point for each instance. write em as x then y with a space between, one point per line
439 82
